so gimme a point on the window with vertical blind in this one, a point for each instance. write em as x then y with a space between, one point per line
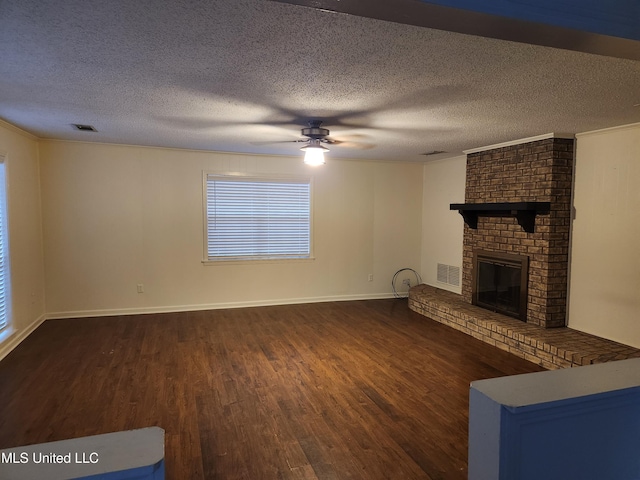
255 218
5 290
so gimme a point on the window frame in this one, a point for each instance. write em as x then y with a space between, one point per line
206 260
6 328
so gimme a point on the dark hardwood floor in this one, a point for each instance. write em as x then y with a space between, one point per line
344 390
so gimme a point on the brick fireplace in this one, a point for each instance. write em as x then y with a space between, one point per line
524 176
518 204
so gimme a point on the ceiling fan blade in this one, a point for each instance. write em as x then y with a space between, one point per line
349 143
358 145
279 141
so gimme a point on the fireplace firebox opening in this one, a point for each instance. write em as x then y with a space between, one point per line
500 282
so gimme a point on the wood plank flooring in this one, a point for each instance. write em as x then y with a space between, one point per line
343 390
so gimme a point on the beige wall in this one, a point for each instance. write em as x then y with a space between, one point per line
25 233
605 266
442 228
115 216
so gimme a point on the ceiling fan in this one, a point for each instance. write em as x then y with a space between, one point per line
314 147
314 150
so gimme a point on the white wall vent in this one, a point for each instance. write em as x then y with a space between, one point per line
449 274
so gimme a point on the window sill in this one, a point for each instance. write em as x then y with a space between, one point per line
6 333
254 261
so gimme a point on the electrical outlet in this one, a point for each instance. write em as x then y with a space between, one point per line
370 278
140 288
406 282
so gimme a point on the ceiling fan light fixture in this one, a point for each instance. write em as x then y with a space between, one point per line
314 152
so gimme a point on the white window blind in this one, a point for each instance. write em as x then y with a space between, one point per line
257 218
5 297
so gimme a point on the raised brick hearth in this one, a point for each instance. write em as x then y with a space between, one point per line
551 348
537 171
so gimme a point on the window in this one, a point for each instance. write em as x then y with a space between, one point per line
253 218
5 290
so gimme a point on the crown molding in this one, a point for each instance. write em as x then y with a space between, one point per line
519 142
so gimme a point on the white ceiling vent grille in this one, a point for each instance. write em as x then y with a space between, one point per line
449 274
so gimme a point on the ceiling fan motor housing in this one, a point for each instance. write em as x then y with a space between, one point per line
315 131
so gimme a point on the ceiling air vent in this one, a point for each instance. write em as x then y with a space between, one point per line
433 152
449 274
84 128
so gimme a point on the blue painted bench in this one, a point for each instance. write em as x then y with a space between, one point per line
576 423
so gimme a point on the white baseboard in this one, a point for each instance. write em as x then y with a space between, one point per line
15 338
212 306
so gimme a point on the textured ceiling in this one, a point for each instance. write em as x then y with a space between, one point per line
234 75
